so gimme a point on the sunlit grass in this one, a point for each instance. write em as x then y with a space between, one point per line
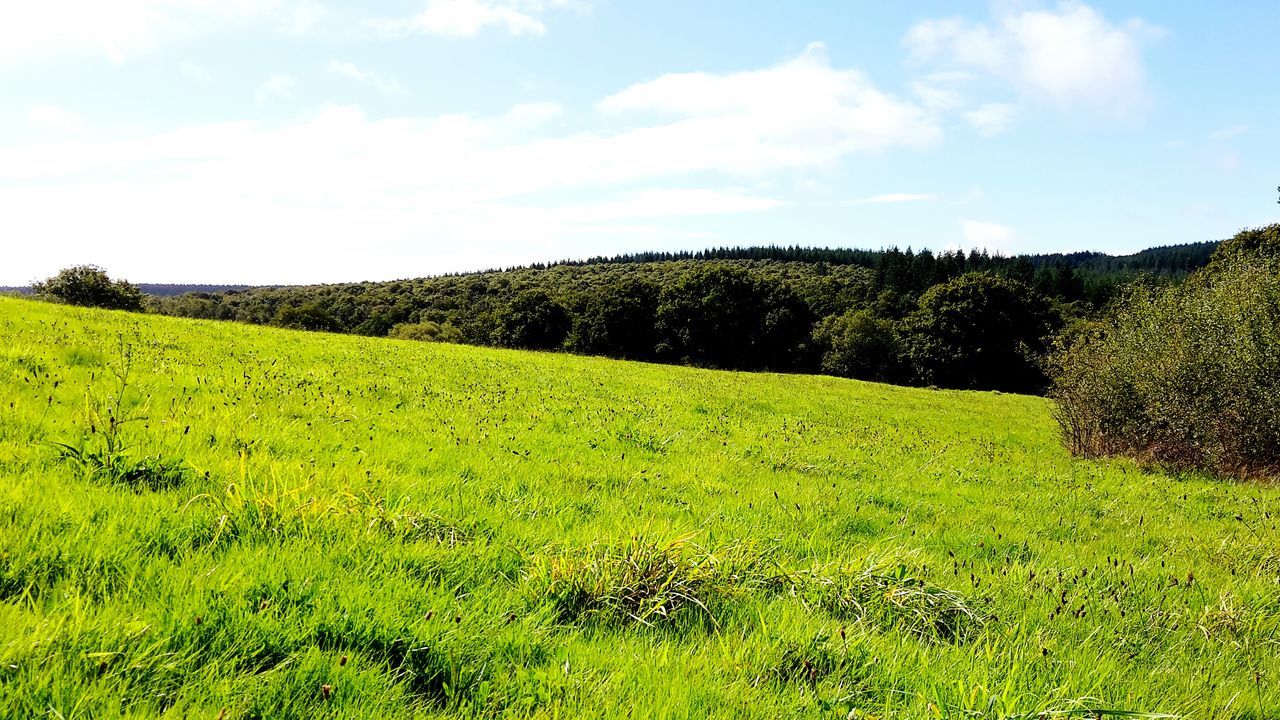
378 528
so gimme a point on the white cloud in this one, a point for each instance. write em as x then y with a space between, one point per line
992 118
892 198
466 18
1070 56
527 116
53 118
386 85
194 72
340 195
1226 133
800 113
937 98
121 28
989 236
277 87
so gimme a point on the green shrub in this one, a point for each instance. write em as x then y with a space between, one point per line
859 345
90 286
1184 376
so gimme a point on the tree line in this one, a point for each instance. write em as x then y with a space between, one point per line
949 319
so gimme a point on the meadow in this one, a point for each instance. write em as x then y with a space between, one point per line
277 524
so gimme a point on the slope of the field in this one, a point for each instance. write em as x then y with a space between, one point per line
375 528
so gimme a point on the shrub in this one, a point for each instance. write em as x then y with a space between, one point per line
1184 376
859 345
90 286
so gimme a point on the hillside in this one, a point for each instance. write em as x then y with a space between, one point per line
342 526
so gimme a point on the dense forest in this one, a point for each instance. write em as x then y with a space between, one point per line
949 319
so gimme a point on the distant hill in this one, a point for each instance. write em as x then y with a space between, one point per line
1162 260
155 289
1174 260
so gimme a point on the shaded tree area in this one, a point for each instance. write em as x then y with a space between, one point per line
952 319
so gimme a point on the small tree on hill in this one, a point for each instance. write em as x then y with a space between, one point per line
90 286
858 345
723 316
308 316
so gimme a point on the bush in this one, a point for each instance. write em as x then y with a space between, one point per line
859 345
90 286
1184 376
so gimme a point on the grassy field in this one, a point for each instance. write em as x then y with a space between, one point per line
310 525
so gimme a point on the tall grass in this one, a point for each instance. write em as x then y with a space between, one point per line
381 528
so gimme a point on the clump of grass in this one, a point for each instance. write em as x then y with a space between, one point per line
891 598
806 663
153 473
643 581
646 582
405 524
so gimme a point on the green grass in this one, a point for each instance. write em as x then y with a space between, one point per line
374 528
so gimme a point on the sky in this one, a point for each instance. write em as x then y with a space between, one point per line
299 141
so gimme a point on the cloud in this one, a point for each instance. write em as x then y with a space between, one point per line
276 87
800 113
194 72
56 119
989 236
386 85
419 194
122 28
1226 133
1069 57
991 119
466 18
892 198
527 116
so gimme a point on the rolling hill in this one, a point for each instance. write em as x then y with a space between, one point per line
202 519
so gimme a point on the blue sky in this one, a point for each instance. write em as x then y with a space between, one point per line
270 141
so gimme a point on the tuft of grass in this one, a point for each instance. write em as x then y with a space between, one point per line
891 598
644 581
151 473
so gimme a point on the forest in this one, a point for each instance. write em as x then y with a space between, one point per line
946 319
